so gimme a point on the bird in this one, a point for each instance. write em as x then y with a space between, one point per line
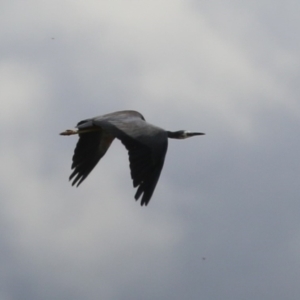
146 145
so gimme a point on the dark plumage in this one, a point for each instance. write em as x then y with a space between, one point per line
146 145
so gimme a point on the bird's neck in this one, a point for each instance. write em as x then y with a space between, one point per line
175 134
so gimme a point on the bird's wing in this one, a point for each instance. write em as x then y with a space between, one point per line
90 147
146 145
145 167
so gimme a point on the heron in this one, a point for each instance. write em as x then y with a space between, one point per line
146 145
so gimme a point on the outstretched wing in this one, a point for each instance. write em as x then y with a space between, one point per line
90 148
146 145
145 166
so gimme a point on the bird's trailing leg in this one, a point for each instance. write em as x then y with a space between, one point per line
69 132
80 131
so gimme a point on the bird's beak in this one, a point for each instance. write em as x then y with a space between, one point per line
189 134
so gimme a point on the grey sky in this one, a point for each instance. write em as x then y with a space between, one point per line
223 222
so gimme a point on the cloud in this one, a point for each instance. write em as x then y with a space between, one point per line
230 197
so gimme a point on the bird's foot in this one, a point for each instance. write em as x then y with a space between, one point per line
69 132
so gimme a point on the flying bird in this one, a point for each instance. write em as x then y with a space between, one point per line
146 145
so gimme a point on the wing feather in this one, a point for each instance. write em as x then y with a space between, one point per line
146 145
90 148
146 163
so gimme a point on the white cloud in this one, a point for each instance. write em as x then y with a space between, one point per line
230 196
22 89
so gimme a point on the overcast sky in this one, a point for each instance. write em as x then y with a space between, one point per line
224 220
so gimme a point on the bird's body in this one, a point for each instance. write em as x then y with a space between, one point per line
146 145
